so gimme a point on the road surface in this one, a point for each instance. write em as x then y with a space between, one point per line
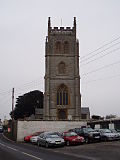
24 151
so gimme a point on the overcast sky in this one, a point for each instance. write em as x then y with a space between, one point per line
23 28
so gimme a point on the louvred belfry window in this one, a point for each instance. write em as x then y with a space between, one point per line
66 47
58 47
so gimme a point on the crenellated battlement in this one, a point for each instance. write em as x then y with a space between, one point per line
61 29
67 30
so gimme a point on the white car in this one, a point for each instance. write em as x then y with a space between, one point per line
34 139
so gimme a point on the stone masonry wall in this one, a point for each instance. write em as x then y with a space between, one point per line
25 128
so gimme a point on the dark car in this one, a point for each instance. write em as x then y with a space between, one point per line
49 139
89 134
1 129
71 138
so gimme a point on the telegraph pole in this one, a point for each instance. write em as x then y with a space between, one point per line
12 102
12 112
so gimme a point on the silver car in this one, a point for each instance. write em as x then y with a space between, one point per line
49 139
117 134
107 135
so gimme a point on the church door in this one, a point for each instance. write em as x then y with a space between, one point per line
62 114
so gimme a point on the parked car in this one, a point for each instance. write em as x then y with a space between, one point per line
88 133
49 139
34 139
117 134
27 138
107 135
71 138
1 129
118 130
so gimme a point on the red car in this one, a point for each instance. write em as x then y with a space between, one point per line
27 138
71 138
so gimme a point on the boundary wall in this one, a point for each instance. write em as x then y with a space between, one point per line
25 128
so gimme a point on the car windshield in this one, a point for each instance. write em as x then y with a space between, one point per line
78 129
52 136
88 130
70 134
106 131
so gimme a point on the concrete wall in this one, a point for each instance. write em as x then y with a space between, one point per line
25 128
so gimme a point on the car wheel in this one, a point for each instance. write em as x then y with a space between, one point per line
67 143
46 145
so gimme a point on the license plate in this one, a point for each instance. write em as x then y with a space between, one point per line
97 137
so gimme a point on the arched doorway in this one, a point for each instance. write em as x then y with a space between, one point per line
62 102
62 114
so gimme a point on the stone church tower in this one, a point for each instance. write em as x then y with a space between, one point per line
62 99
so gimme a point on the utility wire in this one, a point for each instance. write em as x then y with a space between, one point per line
101 56
20 90
99 52
106 66
100 47
100 79
5 92
29 84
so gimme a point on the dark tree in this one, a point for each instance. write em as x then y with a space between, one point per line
26 104
110 116
96 117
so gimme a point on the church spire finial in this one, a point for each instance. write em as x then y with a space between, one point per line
74 25
49 25
75 22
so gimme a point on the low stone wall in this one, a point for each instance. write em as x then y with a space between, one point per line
25 128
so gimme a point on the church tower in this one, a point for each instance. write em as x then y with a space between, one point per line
62 100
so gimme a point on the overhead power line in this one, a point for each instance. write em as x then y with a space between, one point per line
100 47
101 56
99 52
106 66
5 92
100 79
22 87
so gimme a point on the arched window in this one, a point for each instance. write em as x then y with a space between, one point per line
62 96
58 47
66 47
61 68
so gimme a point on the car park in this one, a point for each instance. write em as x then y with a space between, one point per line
88 133
49 139
71 138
